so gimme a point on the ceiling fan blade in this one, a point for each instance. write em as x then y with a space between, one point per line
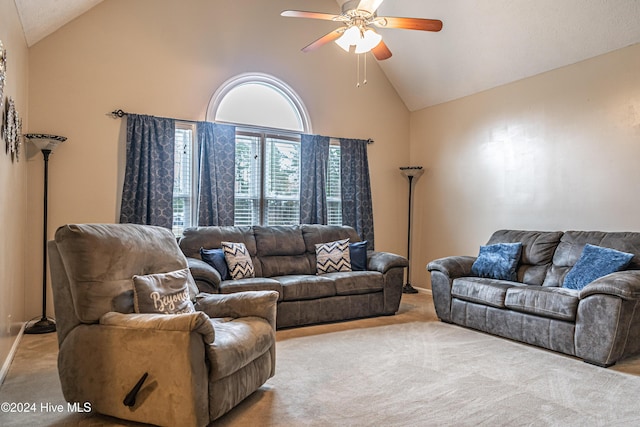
312 15
327 38
409 23
369 5
381 51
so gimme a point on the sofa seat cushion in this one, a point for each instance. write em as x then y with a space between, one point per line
237 343
482 290
356 282
304 287
251 284
556 303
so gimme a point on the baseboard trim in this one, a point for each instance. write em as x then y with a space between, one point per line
14 348
423 290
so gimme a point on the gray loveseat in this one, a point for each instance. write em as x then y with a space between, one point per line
599 324
284 259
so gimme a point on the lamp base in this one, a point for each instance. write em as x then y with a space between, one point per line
408 289
42 326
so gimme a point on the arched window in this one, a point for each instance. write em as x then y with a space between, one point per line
259 100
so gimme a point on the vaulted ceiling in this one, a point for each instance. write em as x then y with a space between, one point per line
483 44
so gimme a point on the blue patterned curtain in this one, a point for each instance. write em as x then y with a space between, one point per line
217 173
357 208
147 195
314 158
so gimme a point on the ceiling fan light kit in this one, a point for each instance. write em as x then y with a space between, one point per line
357 17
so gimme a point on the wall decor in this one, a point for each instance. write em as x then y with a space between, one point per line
12 130
3 71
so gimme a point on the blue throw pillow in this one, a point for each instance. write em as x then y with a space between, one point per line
498 261
594 263
358 252
215 258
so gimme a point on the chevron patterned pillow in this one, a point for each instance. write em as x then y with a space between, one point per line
333 256
238 260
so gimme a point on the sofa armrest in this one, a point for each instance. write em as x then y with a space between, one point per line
623 284
187 322
453 266
384 261
240 304
203 272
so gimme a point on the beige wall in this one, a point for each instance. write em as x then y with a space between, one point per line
13 187
556 151
167 58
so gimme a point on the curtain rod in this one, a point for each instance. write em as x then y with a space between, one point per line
119 113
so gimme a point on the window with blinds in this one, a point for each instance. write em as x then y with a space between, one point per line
183 194
334 203
267 179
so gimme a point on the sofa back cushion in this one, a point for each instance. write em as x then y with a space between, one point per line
211 237
538 248
281 250
315 234
100 261
573 242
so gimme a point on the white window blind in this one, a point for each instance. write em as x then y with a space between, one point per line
282 182
248 179
183 189
334 203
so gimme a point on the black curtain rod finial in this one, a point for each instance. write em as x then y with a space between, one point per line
118 114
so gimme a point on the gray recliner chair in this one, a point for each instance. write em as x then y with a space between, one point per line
199 365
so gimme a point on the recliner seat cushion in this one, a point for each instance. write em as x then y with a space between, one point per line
238 342
557 303
484 291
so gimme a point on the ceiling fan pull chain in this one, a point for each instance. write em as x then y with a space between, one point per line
364 82
358 70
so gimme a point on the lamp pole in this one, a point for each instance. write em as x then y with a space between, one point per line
410 172
46 144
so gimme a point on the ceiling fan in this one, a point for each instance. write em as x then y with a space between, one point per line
356 33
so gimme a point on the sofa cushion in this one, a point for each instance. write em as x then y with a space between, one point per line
238 260
357 282
572 243
333 256
557 303
482 290
279 240
314 234
251 284
163 293
358 254
538 248
305 287
595 262
498 261
215 258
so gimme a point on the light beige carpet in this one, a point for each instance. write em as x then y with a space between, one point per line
403 370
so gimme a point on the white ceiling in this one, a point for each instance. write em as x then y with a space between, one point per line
483 44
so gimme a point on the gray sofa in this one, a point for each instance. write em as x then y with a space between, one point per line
599 324
284 260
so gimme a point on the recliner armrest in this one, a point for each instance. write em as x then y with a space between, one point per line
453 266
384 261
188 322
623 284
240 304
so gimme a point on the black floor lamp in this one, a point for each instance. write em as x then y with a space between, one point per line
46 144
410 172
